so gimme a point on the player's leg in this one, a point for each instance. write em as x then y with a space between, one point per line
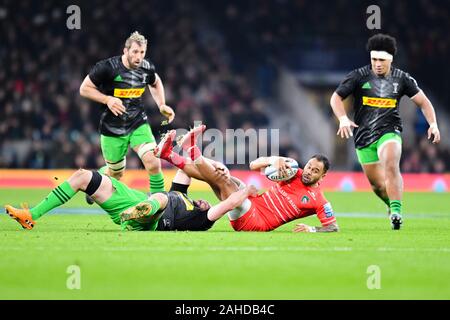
374 171
212 176
216 176
114 150
164 150
375 174
390 153
143 143
80 180
147 208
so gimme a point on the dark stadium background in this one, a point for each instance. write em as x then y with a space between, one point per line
221 62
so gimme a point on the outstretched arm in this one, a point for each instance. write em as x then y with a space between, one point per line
233 201
332 227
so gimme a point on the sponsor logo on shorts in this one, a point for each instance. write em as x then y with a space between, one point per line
128 93
379 102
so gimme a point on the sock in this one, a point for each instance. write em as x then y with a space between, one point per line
55 198
177 160
194 153
386 200
156 182
102 170
396 206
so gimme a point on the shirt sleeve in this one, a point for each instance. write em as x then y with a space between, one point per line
325 213
151 78
410 86
101 73
348 85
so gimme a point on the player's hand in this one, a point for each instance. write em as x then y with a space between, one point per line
282 166
167 112
345 127
304 228
115 105
433 130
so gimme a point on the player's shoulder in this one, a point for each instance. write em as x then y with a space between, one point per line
148 65
359 73
112 62
363 71
400 74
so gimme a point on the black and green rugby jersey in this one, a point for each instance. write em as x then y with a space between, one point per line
376 101
112 78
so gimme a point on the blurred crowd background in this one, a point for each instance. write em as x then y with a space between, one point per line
219 62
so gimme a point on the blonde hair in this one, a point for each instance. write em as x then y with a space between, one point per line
135 37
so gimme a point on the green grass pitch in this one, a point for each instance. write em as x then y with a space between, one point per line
223 264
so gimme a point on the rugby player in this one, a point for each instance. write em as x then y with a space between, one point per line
377 89
118 83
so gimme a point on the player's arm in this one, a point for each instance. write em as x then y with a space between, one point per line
345 88
332 227
157 92
427 108
345 124
262 162
233 201
89 90
326 216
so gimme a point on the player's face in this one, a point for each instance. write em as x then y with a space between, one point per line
313 172
202 204
380 66
135 54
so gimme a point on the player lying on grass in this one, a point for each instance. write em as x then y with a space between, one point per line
285 201
135 210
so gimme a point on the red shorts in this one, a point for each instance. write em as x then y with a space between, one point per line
250 221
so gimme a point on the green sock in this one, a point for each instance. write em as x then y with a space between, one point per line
396 206
55 198
156 182
386 200
102 170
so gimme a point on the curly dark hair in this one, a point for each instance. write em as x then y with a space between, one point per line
324 160
382 42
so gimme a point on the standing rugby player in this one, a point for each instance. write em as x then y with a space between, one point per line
118 83
377 90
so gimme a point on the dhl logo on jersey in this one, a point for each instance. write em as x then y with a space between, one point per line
379 102
128 93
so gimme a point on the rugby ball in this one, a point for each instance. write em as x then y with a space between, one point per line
272 173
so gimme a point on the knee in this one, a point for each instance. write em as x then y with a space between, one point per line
117 174
392 169
80 178
152 164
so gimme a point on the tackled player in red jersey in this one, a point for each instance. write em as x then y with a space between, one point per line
285 201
